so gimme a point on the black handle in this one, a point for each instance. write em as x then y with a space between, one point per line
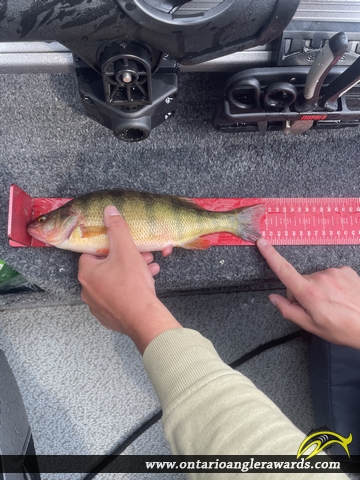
343 83
328 56
245 94
279 95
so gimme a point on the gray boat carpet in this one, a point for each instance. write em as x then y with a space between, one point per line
85 389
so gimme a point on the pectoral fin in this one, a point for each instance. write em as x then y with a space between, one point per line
102 251
88 232
197 244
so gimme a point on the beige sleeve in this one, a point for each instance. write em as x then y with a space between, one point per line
211 409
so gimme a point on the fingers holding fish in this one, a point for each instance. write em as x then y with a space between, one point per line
120 239
167 251
148 257
154 268
119 290
119 236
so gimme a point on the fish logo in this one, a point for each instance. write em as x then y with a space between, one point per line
323 439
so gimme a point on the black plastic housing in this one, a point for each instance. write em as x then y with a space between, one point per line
133 121
86 27
231 117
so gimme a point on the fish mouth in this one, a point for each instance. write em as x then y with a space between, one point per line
33 230
57 235
36 233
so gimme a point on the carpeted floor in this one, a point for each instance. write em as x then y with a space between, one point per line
85 389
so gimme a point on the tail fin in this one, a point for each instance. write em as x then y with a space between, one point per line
249 222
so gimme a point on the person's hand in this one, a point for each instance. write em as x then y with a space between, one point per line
119 289
325 303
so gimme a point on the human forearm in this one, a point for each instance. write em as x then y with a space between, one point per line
155 320
203 398
210 409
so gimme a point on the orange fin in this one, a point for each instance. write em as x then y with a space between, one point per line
103 251
88 232
197 244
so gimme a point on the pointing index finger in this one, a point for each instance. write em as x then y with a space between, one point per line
286 273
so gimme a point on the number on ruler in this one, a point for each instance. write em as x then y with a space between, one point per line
294 219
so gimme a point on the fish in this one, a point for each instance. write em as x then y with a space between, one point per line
157 222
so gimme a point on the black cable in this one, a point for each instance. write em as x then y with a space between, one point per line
267 346
152 420
123 446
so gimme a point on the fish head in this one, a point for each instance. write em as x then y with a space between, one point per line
54 227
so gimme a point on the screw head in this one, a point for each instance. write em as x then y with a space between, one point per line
126 77
87 100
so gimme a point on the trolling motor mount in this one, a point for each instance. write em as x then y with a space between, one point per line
127 52
126 75
127 97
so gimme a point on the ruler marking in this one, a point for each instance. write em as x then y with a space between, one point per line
312 221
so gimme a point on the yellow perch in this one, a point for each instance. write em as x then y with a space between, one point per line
156 222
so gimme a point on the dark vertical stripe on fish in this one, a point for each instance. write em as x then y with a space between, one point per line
149 204
178 212
118 202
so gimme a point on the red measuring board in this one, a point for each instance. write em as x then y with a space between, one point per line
312 221
287 221
297 221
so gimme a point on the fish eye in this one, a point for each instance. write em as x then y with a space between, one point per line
42 218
